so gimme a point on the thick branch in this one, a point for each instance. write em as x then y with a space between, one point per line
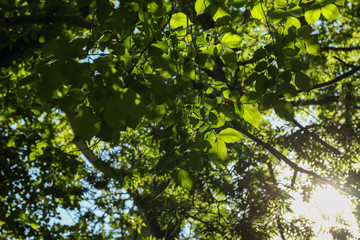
324 101
6 23
293 165
337 79
344 49
317 138
9 54
100 165
149 217
246 62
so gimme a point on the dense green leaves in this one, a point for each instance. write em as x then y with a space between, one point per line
163 119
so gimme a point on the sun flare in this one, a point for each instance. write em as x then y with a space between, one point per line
325 208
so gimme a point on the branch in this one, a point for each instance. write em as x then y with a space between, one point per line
324 101
9 54
337 79
293 165
317 138
6 23
100 165
246 62
348 65
150 219
344 49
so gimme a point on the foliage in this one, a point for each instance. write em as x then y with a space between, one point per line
173 119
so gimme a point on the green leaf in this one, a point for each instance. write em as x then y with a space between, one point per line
277 15
312 46
296 11
339 2
287 89
201 5
185 179
113 114
268 100
259 11
179 20
303 82
330 12
252 115
284 110
292 21
34 226
28 79
312 14
305 31
221 12
85 123
261 66
103 10
218 150
196 160
232 40
215 50
229 57
259 54
239 3
229 135
281 3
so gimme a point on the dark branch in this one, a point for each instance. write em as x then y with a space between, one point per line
246 62
317 138
344 49
9 54
324 101
6 23
337 79
344 63
293 165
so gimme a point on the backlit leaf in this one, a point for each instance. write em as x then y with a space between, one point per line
221 11
218 150
312 14
179 20
229 135
185 179
251 115
330 12
201 5
231 40
259 11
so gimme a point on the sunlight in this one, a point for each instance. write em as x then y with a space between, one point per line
327 208
330 202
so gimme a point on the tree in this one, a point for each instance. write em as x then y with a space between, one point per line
168 119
